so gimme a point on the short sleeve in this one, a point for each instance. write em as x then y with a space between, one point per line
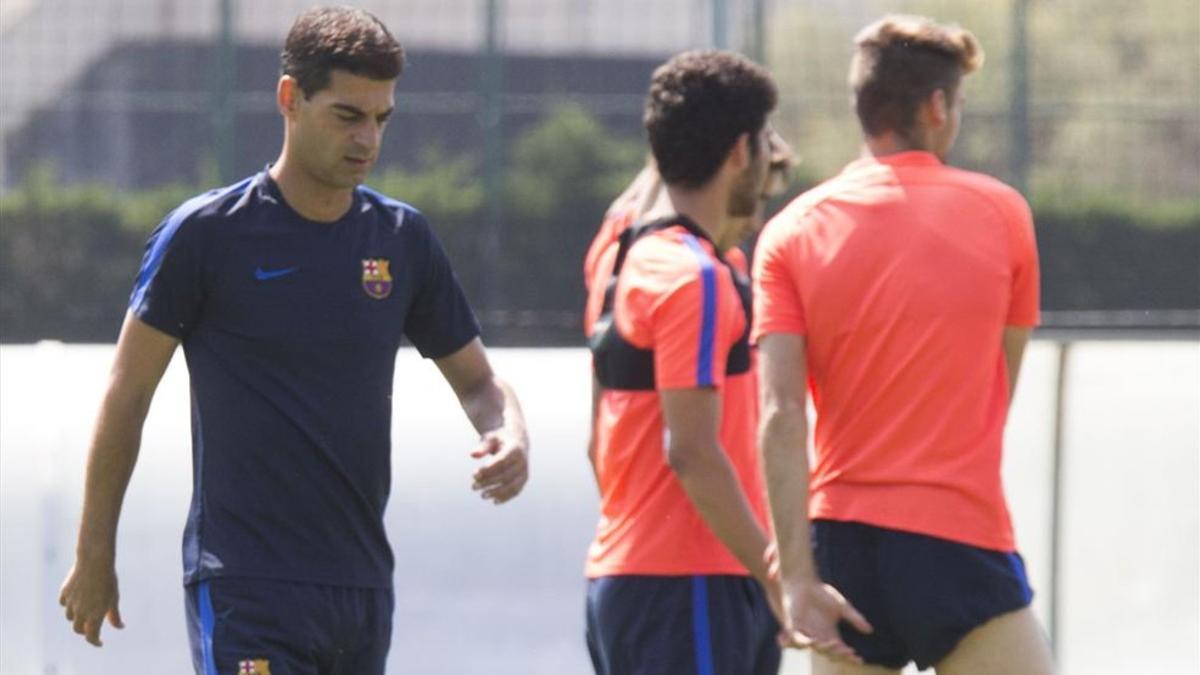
440 320
778 307
169 289
1024 302
694 324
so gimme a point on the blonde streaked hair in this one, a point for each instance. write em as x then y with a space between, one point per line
899 61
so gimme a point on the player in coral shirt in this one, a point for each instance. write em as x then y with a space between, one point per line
676 570
901 293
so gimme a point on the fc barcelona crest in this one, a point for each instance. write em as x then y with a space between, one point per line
376 279
254 667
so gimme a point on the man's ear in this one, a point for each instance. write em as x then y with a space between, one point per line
739 154
286 92
939 108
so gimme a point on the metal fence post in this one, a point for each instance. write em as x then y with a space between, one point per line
757 49
491 74
1056 494
720 24
225 80
1019 142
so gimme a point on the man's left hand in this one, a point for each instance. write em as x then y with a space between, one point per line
506 468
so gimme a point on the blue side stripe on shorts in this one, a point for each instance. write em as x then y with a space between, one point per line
701 634
207 621
1018 570
708 279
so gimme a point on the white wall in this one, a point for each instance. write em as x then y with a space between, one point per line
500 588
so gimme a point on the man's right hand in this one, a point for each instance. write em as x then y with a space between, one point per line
812 610
90 595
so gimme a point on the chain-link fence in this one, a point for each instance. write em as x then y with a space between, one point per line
518 119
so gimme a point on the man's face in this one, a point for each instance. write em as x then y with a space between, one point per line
336 134
749 187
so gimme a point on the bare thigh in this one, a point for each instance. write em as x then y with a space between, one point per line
1010 644
824 666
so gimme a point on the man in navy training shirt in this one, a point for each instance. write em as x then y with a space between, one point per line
290 293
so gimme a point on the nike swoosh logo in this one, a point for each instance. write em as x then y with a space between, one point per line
267 275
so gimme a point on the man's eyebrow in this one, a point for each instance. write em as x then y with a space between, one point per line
347 108
351 110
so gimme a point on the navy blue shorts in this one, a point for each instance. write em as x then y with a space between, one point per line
921 594
267 627
680 625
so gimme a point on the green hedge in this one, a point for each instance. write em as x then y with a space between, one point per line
68 254
1102 256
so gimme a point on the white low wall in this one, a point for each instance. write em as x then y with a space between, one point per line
499 589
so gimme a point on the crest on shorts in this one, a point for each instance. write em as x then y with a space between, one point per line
376 280
254 667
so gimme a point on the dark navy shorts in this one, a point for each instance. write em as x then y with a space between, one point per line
267 627
922 594
680 625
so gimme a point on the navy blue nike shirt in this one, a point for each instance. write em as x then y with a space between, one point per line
290 328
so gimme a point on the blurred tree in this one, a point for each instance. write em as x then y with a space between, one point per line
562 175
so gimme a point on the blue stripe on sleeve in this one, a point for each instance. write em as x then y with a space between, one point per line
207 621
708 278
169 227
701 635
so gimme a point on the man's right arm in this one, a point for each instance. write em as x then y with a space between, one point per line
89 592
812 609
592 447
695 455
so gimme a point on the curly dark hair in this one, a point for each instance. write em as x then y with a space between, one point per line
699 104
326 38
900 61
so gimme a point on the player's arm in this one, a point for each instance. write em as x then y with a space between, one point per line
89 592
812 608
695 455
1015 340
495 413
597 392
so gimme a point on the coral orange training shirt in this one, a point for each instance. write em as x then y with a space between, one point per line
902 274
674 297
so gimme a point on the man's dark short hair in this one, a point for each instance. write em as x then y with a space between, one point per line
323 39
699 103
900 60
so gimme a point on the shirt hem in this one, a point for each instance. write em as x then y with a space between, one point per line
592 572
190 578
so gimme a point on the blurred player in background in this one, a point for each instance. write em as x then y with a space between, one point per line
902 292
291 292
676 571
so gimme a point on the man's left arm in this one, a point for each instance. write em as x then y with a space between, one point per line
1015 338
495 413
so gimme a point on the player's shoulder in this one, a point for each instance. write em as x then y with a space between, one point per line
990 189
797 214
671 250
207 211
391 214
667 260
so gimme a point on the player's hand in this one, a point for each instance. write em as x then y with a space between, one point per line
813 610
506 466
90 595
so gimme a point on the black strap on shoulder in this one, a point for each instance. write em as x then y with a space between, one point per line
619 364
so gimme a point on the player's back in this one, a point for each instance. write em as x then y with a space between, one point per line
906 272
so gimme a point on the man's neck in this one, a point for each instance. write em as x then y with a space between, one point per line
891 143
308 197
706 206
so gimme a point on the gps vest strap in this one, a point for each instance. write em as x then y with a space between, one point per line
621 365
